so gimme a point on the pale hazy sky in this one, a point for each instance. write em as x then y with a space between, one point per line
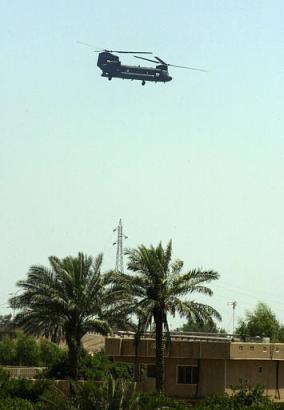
198 160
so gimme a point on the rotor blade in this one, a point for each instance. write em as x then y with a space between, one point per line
161 61
95 49
147 59
188 68
129 52
179 66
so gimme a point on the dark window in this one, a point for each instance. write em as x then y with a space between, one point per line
151 370
187 375
260 369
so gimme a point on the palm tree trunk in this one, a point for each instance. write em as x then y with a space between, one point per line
136 363
159 354
73 357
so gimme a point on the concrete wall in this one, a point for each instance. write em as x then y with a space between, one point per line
264 351
180 348
255 372
211 377
26 372
172 388
221 365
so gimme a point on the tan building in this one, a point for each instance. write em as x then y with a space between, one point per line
199 366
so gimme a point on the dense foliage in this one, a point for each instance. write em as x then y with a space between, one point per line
116 393
208 326
93 368
21 388
243 397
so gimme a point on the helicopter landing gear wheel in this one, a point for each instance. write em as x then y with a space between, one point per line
143 82
109 78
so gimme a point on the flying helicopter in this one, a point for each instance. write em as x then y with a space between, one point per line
112 67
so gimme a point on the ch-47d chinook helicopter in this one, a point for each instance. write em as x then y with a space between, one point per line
111 66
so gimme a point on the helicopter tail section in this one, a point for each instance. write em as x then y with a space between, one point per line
107 58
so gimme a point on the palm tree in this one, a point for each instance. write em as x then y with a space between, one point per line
66 299
158 289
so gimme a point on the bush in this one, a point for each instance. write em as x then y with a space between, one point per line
92 368
243 397
99 366
58 370
154 401
15 404
26 389
21 388
111 394
216 402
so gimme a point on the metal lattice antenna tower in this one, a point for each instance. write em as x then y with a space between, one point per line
119 247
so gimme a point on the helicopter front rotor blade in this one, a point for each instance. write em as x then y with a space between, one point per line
97 50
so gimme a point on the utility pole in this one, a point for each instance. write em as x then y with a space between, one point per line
119 247
233 304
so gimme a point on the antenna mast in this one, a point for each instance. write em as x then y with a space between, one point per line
233 304
119 247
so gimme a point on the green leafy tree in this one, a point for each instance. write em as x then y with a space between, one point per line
66 299
27 351
158 288
261 322
208 326
7 351
50 353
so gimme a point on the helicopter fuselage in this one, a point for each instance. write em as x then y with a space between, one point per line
112 68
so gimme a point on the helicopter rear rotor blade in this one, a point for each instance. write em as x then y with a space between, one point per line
188 68
161 61
95 49
179 66
147 59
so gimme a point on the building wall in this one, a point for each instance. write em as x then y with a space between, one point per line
180 348
221 365
172 388
263 373
264 351
211 377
